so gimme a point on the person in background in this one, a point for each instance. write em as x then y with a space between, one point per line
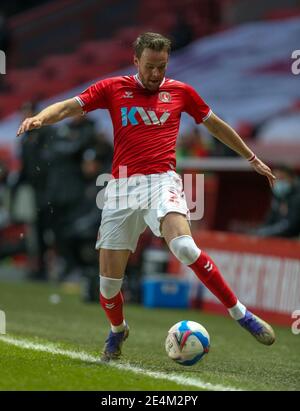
4 213
80 229
36 159
66 186
283 219
193 145
8 246
182 34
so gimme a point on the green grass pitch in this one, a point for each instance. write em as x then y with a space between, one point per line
56 347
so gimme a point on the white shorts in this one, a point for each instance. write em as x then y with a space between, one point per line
131 204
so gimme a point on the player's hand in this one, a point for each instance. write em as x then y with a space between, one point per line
263 169
28 124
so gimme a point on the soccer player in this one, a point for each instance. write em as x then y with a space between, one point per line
145 110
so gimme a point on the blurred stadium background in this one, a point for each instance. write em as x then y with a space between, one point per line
238 55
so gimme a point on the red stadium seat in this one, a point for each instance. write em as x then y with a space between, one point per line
104 51
127 35
9 103
59 66
58 73
21 80
163 23
284 13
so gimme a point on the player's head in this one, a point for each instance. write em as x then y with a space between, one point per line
151 55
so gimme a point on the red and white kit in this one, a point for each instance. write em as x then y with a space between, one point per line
146 126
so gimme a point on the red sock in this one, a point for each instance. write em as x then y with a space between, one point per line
113 308
206 270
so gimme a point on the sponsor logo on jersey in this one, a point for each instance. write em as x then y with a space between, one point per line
165 97
134 115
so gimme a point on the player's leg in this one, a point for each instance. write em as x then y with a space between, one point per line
112 265
112 268
118 236
176 231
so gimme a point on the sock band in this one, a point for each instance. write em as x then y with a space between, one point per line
238 311
109 287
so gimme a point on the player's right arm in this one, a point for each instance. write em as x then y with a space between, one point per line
51 114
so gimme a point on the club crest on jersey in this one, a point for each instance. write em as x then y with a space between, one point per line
149 117
165 97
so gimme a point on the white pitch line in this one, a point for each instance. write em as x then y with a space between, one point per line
85 357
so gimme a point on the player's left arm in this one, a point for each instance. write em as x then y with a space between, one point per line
223 132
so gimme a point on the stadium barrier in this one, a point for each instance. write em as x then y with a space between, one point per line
264 273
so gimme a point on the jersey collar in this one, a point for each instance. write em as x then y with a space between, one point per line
138 80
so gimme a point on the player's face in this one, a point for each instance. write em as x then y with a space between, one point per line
152 67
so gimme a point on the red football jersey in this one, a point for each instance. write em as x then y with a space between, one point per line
145 123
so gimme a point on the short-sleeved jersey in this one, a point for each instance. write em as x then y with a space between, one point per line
145 123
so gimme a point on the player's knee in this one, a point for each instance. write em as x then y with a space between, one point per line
185 249
109 287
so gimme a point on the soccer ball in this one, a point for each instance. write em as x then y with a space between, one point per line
187 342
